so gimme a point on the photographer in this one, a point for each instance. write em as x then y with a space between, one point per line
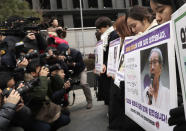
9 105
76 63
53 26
13 112
59 88
34 40
8 61
46 114
55 40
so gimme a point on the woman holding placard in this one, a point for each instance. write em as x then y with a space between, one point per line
117 120
163 10
140 19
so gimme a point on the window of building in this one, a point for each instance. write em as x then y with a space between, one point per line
59 4
44 4
90 18
93 3
76 4
107 3
146 2
133 2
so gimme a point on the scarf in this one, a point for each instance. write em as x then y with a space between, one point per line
104 37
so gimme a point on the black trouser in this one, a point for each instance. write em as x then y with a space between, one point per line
116 107
104 88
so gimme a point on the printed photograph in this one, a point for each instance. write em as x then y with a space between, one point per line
155 77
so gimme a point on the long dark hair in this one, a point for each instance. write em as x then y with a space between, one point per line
121 26
175 4
140 13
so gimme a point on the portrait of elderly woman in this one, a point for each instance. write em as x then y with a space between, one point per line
155 92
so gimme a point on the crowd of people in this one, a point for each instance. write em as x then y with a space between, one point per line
137 20
37 70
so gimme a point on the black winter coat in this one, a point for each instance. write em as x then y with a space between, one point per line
78 59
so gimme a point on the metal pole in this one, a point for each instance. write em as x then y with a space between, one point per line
81 13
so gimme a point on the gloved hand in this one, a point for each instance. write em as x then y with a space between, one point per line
180 127
177 117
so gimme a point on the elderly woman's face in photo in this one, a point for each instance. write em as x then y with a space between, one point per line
163 12
154 63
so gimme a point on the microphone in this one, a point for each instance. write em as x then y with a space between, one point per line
152 79
148 94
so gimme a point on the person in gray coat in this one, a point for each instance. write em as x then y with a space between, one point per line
7 110
13 112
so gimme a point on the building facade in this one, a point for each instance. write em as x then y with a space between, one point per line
68 11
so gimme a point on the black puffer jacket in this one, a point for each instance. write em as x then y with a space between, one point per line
6 115
78 59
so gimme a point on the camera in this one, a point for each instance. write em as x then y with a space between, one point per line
18 26
27 86
73 82
19 69
53 67
32 55
69 59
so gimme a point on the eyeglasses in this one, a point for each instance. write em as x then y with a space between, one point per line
154 62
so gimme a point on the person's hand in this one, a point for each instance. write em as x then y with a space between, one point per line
13 98
177 118
96 72
50 52
61 57
23 63
104 69
113 77
44 71
59 28
151 90
31 36
20 85
30 51
74 64
20 105
109 75
67 84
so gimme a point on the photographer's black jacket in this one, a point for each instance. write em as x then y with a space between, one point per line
38 44
55 89
11 41
78 59
6 115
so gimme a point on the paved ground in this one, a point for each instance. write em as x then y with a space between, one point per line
82 119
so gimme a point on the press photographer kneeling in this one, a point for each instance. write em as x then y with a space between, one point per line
75 62
46 114
59 87
13 112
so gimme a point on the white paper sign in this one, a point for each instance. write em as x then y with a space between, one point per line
179 26
113 55
99 57
120 76
150 78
